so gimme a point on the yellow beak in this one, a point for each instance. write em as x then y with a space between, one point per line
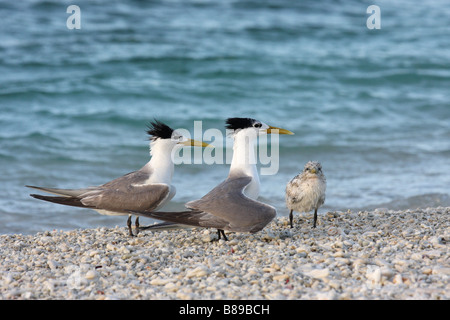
313 171
195 143
278 130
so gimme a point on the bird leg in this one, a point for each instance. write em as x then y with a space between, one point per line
315 217
137 225
291 217
221 232
130 231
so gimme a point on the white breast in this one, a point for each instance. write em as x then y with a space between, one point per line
252 189
305 196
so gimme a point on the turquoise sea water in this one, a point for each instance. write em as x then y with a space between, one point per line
373 106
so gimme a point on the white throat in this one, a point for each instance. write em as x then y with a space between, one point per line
161 163
244 161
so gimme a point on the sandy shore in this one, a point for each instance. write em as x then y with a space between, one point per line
380 254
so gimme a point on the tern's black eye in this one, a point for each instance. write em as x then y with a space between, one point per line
257 125
177 138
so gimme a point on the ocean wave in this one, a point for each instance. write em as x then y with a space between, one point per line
29 137
399 76
418 201
92 114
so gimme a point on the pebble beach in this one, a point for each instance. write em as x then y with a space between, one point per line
367 255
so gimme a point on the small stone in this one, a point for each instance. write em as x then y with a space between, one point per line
319 273
197 272
268 236
93 253
373 274
398 279
160 282
174 270
386 272
427 270
184 296
91 274
171 287
332 231
302 249
52 264
441 270
207 238
280 277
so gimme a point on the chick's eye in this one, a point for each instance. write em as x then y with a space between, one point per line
257 125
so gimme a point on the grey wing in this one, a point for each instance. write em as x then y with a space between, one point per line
225 207
133 197
227 204
129 192
131 177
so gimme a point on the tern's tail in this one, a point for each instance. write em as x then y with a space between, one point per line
63 192
68 201
165 226
188 218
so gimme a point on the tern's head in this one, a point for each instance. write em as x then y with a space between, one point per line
251 126
163 136
313 168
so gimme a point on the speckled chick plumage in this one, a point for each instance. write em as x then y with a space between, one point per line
306 191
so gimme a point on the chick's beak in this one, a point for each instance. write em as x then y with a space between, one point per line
278 130
195 143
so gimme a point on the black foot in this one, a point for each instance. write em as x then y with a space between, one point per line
221 232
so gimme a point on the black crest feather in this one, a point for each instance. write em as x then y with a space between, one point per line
157 129
239 123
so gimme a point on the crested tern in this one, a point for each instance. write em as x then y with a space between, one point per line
306 191
232 205
147 189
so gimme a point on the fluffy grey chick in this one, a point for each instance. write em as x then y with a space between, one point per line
306 191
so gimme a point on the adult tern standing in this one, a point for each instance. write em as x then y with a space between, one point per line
147 189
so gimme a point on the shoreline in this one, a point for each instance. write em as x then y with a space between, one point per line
365 255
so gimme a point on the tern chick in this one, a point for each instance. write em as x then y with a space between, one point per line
306 191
